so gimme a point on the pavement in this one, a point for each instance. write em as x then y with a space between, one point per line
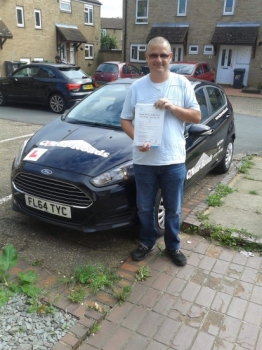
214 302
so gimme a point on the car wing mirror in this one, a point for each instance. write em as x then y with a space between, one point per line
198 130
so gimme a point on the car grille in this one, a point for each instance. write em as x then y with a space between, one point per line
51 190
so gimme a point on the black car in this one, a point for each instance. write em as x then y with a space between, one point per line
56 85
77 171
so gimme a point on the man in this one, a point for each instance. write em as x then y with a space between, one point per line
163 166
58 59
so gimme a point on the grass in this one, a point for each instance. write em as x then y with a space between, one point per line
246 164
143 273
215 199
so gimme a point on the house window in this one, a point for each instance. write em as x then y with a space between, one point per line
141 11
89 51
103 32
20 16
38 21
137 53
88 14
181 7
229 7
208 50
65 5
193 49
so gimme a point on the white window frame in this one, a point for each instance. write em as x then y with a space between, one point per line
228 13
144 18
90 49
193 49
40 59
65 3
23 59
208 50
40 18
140 48
20 9
178 7
89 9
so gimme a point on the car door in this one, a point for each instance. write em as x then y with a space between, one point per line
199 150
44 84
21 87
134 72
208 73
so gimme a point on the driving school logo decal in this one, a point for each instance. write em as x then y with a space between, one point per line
79 145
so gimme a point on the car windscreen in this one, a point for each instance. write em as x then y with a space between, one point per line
107 68
101 108
73 72
180 68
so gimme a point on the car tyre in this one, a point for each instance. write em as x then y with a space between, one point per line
57 103
2 99
159 214
226 161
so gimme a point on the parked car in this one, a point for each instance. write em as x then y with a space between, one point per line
56 85
110 71
77 171
198 70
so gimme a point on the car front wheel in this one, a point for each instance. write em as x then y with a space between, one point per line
226 161
57 103
159 214
2 99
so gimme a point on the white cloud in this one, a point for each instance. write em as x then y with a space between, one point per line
111 8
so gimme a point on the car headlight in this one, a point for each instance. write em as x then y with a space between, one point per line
118 174
18 157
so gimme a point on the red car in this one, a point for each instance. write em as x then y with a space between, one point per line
110 71
198 70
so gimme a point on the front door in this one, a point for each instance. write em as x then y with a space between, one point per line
225 71
177 53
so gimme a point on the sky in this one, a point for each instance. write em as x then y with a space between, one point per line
111 8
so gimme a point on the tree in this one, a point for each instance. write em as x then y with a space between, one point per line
108 42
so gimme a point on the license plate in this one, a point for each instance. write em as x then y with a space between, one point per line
88 87
49 207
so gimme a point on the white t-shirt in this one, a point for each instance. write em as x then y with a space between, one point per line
179 91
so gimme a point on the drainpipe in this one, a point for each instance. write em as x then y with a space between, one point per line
125 34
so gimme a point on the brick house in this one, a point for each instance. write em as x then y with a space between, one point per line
35 30
226 33
113 27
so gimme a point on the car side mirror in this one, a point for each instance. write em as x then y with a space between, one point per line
198 130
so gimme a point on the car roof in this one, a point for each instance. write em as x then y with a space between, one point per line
189 62
55 65
195 82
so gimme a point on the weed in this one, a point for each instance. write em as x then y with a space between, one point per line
257 212
253 192
143 273
246 164
160 250
77 295
201 216
94 328
249 178
214 200
122 294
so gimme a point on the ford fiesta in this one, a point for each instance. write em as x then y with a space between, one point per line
77 171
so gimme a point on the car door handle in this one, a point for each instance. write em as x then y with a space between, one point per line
227 115
208 132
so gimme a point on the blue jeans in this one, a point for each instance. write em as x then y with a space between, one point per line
170 178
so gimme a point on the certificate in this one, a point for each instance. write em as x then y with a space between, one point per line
148 125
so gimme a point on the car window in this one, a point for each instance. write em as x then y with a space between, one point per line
45 72
201 99
217 100
103 106
107 68
72 72
26 72
125 69
181 68
198 70
206 68
134 70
